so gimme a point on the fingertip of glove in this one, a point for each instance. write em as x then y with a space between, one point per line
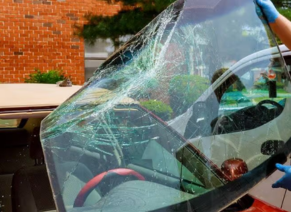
279 166
275 185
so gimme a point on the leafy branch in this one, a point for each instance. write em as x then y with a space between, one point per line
134 16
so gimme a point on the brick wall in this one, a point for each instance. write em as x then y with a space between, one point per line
39 34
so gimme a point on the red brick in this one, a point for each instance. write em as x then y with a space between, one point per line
39 34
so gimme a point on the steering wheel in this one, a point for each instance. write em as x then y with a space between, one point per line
268 101
88 188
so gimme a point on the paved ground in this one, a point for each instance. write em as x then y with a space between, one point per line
265 192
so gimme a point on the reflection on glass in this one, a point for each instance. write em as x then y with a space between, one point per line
183 109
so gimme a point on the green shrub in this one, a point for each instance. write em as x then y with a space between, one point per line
159 108
184 90
49 77
261 85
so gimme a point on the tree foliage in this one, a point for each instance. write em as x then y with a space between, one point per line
278 3
130 20
283 7
135 15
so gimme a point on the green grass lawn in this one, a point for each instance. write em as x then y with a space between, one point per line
255 96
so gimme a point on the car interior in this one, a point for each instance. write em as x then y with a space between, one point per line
244 114
148 154
23 173
25 184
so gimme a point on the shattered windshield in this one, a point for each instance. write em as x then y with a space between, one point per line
194 106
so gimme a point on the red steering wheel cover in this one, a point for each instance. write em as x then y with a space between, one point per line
86 190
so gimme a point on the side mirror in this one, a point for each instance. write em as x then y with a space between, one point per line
271 147
234 168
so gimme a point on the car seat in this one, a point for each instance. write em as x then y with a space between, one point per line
14 150
31 190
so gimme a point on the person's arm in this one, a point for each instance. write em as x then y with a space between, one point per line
282 28
279 24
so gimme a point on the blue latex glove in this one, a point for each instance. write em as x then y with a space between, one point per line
269 10
285 181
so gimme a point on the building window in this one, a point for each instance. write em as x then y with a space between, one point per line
95 55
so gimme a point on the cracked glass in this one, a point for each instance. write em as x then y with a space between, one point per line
188 115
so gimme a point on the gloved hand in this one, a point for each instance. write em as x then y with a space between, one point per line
269 10
285 181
